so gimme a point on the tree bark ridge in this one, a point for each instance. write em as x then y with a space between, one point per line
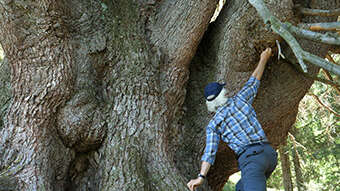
143 108
39 88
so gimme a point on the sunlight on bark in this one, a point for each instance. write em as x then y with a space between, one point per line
218 10
1 53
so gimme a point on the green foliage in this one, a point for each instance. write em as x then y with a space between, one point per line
275 180
229 186
318 131
317 140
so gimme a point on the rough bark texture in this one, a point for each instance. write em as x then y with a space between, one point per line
229 52
5 86
113 87
42 77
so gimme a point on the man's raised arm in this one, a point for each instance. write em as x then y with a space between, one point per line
262 63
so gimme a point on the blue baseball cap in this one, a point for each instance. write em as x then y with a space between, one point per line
212 90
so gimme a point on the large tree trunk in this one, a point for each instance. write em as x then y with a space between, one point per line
42 80
107 84
229 52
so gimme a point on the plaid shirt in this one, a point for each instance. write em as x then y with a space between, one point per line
235 123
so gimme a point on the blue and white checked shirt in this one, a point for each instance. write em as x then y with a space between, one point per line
235 123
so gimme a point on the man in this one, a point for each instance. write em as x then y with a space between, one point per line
236 124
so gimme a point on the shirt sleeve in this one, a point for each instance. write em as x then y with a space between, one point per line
212 141
249 90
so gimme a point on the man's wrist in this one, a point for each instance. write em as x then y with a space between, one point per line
264 60
201 176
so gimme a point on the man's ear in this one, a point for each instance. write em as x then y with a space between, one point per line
225 91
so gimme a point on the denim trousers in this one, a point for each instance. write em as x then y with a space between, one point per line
256 164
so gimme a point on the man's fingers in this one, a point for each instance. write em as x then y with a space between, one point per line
190 186
269 50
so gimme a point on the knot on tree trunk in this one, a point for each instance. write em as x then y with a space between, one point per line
81 124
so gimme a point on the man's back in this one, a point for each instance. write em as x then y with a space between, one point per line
235 122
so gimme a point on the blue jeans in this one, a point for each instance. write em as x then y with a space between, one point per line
256 164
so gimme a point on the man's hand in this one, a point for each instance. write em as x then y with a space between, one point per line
195 183
198 181
266 54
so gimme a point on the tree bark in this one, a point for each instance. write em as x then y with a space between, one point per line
5 95
115 86
229 52
38 51
286 172
127 87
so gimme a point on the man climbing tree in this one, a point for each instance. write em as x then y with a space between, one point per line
236 124
116 87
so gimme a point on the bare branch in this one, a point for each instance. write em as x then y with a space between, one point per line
280 54
315 78
325 106
332 39
277 27
321 63
297 144
325 81
282 30
328 82
328 75
262 10
330 58
332 26
319 12
335 50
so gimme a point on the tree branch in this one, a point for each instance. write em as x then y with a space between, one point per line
282 30
296 144
315 78
276 26
329 38
325 81
321 63
332 26
330 58
328 75
325 106
279 28
319 12
328 82
262 10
